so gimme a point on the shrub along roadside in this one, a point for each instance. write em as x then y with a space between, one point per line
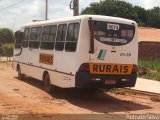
7 50
149 69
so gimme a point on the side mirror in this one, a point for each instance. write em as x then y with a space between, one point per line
19 36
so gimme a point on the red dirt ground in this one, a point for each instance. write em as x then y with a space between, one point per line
149 34
27 97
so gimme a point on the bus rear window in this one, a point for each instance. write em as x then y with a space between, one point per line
115 34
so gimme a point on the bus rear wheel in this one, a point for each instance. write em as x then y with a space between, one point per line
47 84
20 75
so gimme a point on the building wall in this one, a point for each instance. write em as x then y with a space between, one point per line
149 50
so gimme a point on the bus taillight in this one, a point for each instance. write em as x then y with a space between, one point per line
84 67
134 69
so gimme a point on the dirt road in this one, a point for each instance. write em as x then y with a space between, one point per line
27 97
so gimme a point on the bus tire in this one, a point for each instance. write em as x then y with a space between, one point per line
20 75
47 83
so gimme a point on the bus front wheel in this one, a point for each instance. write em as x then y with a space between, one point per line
47 84
20 75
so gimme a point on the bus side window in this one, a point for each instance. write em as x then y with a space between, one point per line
53 34
35 37
61 35
48 37
72 37
26 37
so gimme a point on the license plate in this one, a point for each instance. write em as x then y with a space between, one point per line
112 69
110 81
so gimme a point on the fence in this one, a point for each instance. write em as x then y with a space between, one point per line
149 50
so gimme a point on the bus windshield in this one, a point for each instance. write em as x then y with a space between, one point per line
115 34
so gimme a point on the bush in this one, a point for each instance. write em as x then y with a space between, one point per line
149 69
8 50
1 51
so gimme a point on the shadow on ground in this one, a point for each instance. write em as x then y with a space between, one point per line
96 101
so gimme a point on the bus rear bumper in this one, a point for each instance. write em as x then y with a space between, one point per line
87 80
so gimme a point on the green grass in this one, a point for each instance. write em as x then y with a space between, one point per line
149 69
152 64
153 76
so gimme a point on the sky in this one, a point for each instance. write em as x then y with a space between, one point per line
15 13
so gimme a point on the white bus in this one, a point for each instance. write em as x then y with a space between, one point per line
88 51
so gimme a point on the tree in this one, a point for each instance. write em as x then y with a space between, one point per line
6 36
143 17
112 8
153 17
8 50
1 51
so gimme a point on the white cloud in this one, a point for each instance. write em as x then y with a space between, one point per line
14 17
150 3
29 10
147 4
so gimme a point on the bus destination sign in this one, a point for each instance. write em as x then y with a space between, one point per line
46 58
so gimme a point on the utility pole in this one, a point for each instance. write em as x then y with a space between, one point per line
74 5
46 11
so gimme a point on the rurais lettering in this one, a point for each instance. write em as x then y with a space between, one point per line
95 68
46 59
110 69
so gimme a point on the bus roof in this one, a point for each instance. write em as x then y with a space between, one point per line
94 17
